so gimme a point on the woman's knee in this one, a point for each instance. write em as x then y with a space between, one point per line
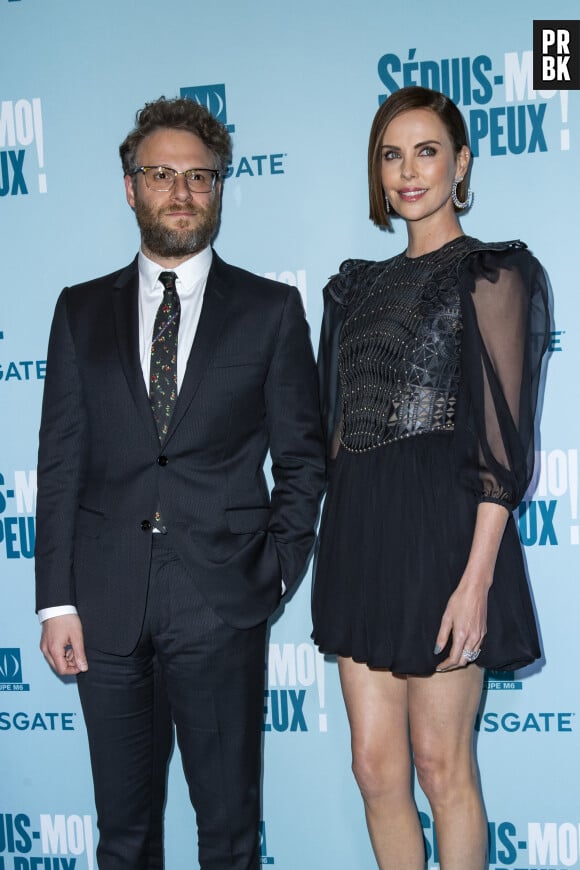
378 775
442 774
433 773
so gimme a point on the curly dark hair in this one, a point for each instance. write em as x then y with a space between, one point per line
177 114
404 100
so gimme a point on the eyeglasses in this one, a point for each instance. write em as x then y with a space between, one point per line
163 178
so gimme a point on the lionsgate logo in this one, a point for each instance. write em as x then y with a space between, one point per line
11 671
261 164
213 97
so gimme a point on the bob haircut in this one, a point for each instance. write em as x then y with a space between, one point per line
177 114
404 100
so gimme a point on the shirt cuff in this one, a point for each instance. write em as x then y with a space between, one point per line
61 610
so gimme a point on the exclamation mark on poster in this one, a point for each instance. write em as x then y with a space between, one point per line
89 844
564 133
573 490
39 139
320 678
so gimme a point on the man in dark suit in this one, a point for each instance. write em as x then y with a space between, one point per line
160 552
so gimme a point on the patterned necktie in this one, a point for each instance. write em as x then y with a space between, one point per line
163 372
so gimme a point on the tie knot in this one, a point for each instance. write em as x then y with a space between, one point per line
168 280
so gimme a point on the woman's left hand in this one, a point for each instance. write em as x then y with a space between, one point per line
465 622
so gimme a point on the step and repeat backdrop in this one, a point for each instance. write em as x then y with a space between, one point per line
297 84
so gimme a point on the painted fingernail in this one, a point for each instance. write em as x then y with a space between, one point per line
437 649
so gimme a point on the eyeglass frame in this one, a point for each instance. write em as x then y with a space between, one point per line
216 175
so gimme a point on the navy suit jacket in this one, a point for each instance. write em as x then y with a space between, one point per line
250 386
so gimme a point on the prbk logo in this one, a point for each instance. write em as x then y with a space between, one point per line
213 97
295 699
517 125
21 140
21 370
557 55
60 842
501 680
295 279
537 845
18 530
264 857
11 671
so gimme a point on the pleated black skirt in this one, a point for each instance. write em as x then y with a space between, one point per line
395 536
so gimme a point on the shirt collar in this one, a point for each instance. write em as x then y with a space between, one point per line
189 274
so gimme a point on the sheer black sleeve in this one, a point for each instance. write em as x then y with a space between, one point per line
506 325
337 295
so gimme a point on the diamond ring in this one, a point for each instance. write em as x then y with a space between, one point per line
471 654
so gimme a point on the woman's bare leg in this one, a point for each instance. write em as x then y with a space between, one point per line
442 710
376 703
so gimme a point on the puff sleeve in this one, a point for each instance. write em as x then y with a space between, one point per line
506 323
337 295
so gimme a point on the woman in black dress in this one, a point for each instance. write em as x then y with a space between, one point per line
430 363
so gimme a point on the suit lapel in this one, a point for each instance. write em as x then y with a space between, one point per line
126 314
212 317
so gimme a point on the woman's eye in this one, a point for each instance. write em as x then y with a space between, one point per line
428 151
390 155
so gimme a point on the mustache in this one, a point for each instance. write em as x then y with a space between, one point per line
192 210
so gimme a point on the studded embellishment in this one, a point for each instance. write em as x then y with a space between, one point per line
399 357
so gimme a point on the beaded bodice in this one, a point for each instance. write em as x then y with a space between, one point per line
399 356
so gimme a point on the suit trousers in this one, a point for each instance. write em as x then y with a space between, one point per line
192 669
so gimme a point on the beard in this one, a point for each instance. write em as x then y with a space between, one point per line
168 242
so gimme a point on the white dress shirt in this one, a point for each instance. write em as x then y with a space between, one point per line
191 281
190 284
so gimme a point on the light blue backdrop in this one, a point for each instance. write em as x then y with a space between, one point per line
299 84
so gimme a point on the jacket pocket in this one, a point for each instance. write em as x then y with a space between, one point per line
89 522
226 362
242 521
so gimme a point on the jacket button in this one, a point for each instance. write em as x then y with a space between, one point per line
146 525
162 460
